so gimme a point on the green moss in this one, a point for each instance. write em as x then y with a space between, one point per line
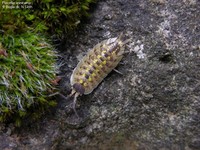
45 15
27 68
27 58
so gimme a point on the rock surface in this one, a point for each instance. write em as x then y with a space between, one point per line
154 105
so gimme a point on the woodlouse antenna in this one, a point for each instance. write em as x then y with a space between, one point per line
75 95
74 104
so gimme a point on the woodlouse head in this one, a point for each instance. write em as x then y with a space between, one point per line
79 88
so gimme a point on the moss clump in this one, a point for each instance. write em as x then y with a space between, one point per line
63 16
27 68
54 16
27 59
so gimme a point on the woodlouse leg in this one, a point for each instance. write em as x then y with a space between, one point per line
126 52
118 71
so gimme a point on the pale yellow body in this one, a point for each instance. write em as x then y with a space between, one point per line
97 64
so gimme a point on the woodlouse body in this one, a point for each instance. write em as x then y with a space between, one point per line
96 65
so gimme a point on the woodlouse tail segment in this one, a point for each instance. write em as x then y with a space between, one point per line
123 38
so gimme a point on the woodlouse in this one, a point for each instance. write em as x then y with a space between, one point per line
96 65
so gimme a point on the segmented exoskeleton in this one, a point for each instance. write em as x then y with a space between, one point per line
96 65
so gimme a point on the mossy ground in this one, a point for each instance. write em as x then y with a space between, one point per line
27 57
27 69
52 16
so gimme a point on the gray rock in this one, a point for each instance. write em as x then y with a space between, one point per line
155 104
